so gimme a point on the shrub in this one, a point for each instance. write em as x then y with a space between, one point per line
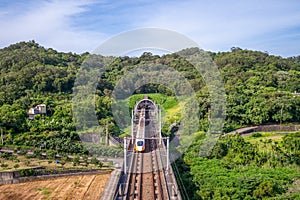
16 166
256 135
267 189
75 160
37 153
5 155
51 154
95 161
4 165
26 172
13 157
23 152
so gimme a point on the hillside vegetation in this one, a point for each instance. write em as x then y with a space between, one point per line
260 89
240 168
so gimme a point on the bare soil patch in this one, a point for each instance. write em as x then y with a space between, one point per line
72 187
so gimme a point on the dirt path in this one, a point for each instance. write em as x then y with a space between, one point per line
97 185
88 187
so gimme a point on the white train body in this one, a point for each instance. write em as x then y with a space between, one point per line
140 135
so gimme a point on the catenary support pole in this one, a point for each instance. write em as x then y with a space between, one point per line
132 126
125 156
168 154
160 126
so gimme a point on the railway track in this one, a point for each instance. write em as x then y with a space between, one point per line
146 180
135 179
146 175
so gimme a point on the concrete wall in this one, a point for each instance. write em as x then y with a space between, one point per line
9 177
268 128
15 177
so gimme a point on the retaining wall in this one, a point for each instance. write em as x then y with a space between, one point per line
15 177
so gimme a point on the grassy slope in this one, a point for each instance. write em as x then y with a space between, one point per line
265 141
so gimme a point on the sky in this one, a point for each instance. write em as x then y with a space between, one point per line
79 26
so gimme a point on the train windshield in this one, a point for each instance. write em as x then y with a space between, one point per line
140 143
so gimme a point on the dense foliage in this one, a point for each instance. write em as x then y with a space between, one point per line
260 89
237 169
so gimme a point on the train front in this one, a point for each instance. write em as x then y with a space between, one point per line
140 145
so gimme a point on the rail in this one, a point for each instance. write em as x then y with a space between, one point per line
147 175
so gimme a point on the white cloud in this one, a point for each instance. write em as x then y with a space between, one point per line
220 25
215 25
49 23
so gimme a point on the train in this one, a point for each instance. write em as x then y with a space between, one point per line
140 145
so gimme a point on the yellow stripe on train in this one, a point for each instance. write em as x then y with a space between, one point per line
139 148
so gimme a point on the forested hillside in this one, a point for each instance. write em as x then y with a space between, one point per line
32 75
259 89
239 168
